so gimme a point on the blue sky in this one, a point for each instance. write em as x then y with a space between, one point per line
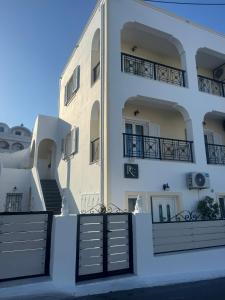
37 37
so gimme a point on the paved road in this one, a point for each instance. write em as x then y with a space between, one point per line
204 290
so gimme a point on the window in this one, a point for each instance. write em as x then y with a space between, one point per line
4 145
70 143
2 129
72 85
17 132
17 147
14 202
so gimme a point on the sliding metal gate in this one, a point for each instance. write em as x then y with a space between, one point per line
25 240
104 245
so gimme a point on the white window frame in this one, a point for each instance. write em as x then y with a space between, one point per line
74 80
71 143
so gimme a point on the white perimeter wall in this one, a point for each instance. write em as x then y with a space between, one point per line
9 178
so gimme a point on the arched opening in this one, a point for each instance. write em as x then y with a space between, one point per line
211 71
152 54
46 159
95 132
214 134
17 147
95 57
157 129
4 145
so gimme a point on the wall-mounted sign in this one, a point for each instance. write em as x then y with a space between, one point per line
130 170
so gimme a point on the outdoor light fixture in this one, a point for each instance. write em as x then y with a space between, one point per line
136 112
134 48
14 188
166 187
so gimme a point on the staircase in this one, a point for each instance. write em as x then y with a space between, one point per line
52 197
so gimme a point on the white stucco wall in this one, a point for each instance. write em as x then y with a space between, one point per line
122 86
79 175
19 178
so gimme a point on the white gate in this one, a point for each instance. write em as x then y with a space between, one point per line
25 240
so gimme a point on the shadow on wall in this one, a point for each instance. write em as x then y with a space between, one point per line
73 209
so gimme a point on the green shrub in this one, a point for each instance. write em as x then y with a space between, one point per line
208 208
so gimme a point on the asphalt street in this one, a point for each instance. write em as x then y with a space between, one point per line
203 290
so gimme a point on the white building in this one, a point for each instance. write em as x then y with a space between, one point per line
142 92
15 138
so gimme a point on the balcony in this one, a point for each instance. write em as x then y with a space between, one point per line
95 150
211 72
214 135
211 86
139 146
152 70
215 154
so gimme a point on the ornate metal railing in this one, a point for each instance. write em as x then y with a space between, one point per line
189 216
151 147
100 208
95 150
152 70
215 154
211 86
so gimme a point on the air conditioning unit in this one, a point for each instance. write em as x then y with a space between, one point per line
197 180
219 73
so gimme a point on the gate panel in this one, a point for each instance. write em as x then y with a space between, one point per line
104 245
24 244
118 256
90 245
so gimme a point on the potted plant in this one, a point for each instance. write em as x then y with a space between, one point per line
208 208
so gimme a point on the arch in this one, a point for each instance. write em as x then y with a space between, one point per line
152 44
95 131
24 131
95 56
46 159
210 67
17 147
214 136
157 111
154 118
214 128
4 128
4 145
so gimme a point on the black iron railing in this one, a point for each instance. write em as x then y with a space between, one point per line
215 154
152 70
96 72
151 147
211 86
95 150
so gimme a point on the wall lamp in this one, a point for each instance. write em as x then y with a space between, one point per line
136 112
166 187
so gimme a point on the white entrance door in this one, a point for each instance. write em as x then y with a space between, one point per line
163 208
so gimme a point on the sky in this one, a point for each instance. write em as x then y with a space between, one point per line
36 40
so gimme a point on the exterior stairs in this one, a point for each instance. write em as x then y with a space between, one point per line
52 197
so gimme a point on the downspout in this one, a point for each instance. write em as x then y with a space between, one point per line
102 100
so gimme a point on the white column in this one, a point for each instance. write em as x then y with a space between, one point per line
143 244
63 250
